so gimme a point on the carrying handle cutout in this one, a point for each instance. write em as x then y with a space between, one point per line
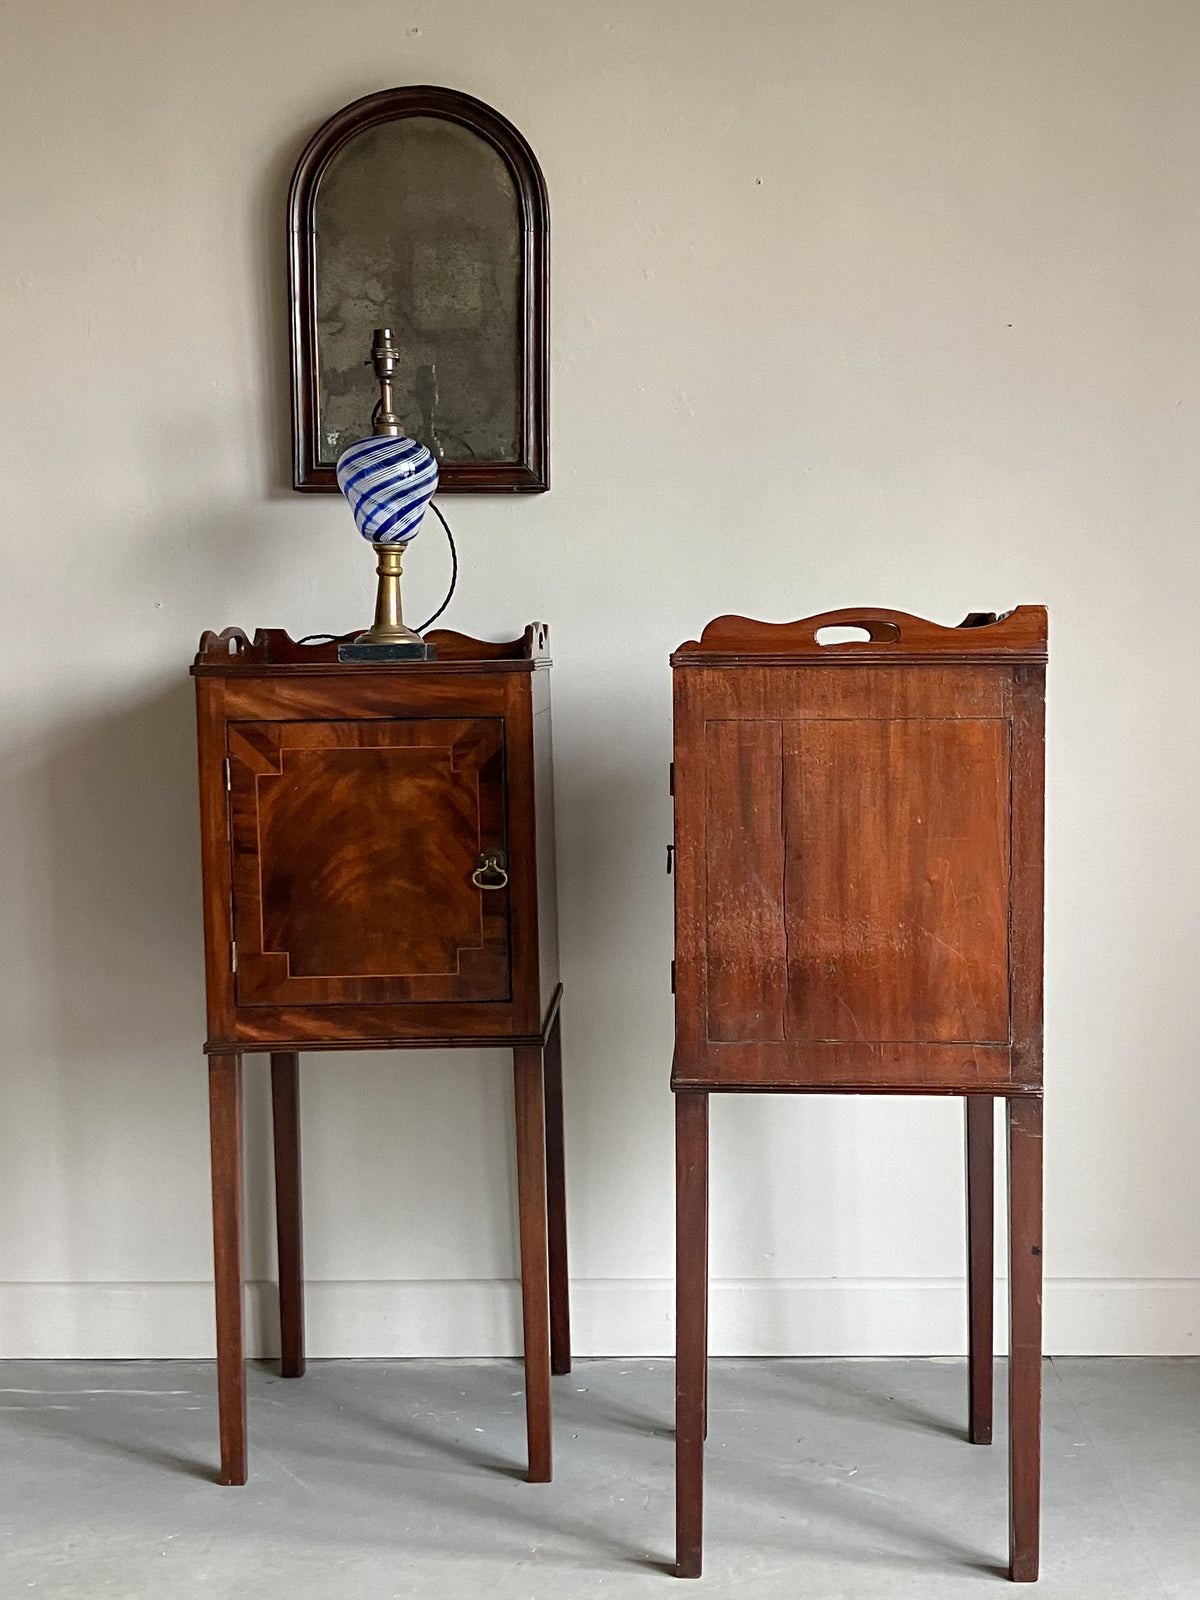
867 632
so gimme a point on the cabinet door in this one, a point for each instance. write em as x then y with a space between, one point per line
354 845
857 879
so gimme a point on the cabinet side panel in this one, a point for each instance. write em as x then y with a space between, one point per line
1028 850
521 787
746 958
897 880
547 868
214 855
690 911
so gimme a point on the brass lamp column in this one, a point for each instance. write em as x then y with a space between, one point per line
384 486
388 627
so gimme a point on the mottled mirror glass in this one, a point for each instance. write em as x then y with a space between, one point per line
418 230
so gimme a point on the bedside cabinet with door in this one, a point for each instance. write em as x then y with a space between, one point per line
858 910
378 857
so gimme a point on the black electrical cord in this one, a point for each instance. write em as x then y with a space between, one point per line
436 509
328 638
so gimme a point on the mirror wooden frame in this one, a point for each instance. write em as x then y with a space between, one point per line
530 472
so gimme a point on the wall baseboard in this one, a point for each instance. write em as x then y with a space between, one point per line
620 1317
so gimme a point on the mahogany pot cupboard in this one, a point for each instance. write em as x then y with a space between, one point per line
378 859
858 909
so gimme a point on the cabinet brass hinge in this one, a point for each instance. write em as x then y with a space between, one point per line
672 778
228 776
233 955
672 977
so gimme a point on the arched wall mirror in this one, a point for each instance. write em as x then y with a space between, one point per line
424 211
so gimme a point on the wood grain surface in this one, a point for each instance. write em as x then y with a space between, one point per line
858 852
343 811
354 845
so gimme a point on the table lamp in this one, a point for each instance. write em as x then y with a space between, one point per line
388 480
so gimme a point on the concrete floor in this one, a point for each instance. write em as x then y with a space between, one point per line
378 1479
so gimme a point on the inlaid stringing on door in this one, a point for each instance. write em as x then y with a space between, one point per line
354 845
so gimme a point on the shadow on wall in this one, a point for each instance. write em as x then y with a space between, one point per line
105 996
121 1002
122 830
269 229
268 212
100 905
116 791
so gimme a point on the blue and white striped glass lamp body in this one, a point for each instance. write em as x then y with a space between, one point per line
388 482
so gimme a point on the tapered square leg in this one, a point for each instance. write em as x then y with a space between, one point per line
556 1202
225 1122
285 1113
1025 1333
704 1411
981 1178
691 1325
535 1288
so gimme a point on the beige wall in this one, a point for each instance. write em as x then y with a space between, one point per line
892 302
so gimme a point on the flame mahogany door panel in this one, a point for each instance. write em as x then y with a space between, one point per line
354 843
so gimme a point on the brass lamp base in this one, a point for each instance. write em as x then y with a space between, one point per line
387 639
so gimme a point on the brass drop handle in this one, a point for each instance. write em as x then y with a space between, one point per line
490 873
